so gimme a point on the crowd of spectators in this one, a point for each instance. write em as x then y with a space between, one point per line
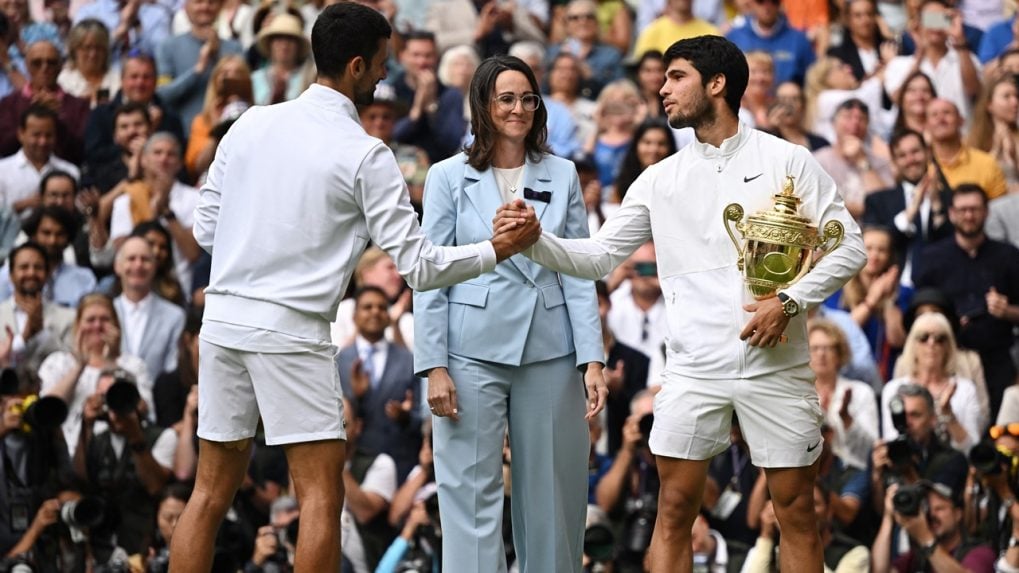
110 115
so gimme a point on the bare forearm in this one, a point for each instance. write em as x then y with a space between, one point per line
881 551
185 457
364 506
610 488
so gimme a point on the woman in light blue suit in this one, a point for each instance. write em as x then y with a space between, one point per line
516 346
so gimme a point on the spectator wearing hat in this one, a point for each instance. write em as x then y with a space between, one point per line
283 77
379 120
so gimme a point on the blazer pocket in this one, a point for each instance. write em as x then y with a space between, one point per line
469 294
553 296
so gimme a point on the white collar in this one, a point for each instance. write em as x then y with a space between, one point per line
362 345
320 95
729 147
141 306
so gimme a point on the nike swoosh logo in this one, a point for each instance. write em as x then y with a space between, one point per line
749 179
814 447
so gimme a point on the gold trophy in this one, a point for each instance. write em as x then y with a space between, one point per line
779 244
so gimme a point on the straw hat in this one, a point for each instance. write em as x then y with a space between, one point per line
286 25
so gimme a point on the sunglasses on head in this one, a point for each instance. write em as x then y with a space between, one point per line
938 337
998 431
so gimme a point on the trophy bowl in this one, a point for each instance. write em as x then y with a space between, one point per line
779 245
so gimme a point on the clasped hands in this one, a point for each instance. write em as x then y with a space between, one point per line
514 228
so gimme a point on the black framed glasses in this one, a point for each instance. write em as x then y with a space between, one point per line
937 337
508 101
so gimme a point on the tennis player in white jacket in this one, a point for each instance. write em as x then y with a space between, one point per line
723 354
294 194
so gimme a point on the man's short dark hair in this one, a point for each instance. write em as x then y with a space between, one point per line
712 56
57 174
969 189
343 32
367 289
917 391
28 246
37 110
418 35
62 216
133 107
853 103
902 134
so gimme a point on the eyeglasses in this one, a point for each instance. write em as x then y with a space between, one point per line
577 17
998 431
40 62
937 337
819 348
508 101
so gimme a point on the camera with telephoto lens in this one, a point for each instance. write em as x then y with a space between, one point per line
46 413
122 398
909 499
900 450
16 564
427 545
82 514
641 513
989 459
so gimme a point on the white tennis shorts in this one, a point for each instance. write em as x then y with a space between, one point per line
297 395
779 414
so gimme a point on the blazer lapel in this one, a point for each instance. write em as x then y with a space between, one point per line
537 179
482 190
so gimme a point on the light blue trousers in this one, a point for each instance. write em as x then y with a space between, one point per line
549 441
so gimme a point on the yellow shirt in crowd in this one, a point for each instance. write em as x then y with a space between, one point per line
664 31
974 166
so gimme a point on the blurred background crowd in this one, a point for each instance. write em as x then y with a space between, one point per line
110 115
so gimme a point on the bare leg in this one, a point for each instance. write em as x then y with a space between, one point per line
679 500
221 469
317 472
792 495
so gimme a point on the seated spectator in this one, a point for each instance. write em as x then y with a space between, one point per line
731 478
677 22
165 282
376 268
994 127
21 173
830 83
849 406
127 463
937 537
943 54
873 298
860 48
786 116
43 60
185 61
493 27
229 82
151 325
857 168
134 25
39 328
961 163
652 142
649 75
1003 220
60 189
369 482
562 131
911 104
89 72
456 69
158 195
379 120
930 349
53 229
637 316
565 85
768 30
132 126
967 362
601 63
378 377
861 365
284 75
73 376
841 553
24 30
616 116
137 86
760 88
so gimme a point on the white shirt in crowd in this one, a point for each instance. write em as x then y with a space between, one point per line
643 331
380 479
946 76
19 179
136 317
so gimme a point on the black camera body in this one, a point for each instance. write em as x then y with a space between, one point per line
900 450
909 499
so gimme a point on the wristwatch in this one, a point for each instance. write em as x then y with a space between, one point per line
790 307
928 549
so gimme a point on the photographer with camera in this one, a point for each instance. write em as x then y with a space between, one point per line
418 548
917 452
931 514
127 463
275 543
629 490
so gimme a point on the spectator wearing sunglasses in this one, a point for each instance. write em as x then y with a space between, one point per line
929 353
601 62
43 61
768 30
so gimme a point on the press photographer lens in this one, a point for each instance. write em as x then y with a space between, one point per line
46 413
986 458
122 397
645 425
82 513
599 543
908 499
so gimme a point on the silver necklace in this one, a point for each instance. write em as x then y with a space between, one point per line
512 186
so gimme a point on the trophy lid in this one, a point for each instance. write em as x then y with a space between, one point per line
797 230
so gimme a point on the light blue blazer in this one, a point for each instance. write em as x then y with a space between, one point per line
521 312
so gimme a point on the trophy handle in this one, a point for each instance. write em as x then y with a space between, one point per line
734 212
834 231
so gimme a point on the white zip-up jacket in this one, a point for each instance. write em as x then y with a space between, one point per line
293 196
679 202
